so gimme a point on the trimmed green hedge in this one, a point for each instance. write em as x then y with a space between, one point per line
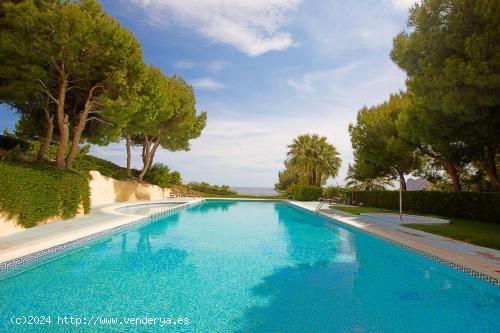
33 193
481 206
306 192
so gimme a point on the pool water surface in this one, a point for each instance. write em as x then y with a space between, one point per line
242 266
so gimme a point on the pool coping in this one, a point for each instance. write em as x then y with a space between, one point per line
423 243
30 247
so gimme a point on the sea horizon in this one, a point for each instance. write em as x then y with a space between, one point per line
254 190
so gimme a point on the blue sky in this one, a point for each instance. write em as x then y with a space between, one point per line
265 71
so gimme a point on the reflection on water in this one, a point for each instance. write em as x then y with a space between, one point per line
253 267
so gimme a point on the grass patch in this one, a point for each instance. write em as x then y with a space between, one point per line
356 210
470 231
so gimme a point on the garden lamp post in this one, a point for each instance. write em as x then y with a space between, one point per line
400 202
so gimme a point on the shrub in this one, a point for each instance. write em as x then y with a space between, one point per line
33 193
9 142
85 163
306 192
481 206
334 192
160 175
212 189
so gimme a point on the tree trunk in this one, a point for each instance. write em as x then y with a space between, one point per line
491 169
49 119
148 151
452 172
62 120
312 180
128 144
318 179
402 181
80 126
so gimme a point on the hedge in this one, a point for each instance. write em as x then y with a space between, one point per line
481 206
306 192
34 193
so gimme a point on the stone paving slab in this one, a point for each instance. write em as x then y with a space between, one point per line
394 218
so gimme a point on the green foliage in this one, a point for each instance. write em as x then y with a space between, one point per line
9 142
34 193
312 159
85 163
160 175
211 189
451 56
306 192
14 148
481 206
286 179
378 148
166 117
334 192
359 179
73 59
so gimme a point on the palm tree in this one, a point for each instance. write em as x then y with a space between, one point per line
313 158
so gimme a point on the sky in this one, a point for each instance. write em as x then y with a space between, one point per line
265 71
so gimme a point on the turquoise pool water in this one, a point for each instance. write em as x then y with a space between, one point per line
250 267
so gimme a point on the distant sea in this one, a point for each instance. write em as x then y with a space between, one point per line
254 190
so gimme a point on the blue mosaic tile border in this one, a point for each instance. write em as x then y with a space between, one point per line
442 261
17 265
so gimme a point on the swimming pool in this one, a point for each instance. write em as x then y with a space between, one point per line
228 266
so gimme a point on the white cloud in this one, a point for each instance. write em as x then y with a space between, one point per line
336 28
403 4
207 84
252 26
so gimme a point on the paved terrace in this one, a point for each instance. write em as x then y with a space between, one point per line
477 258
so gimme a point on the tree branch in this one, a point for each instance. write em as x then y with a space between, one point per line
100 120
47 91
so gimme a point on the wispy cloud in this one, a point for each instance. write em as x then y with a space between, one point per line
217 66
207 84
252 26
403 4
212 66
183 64
310 81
